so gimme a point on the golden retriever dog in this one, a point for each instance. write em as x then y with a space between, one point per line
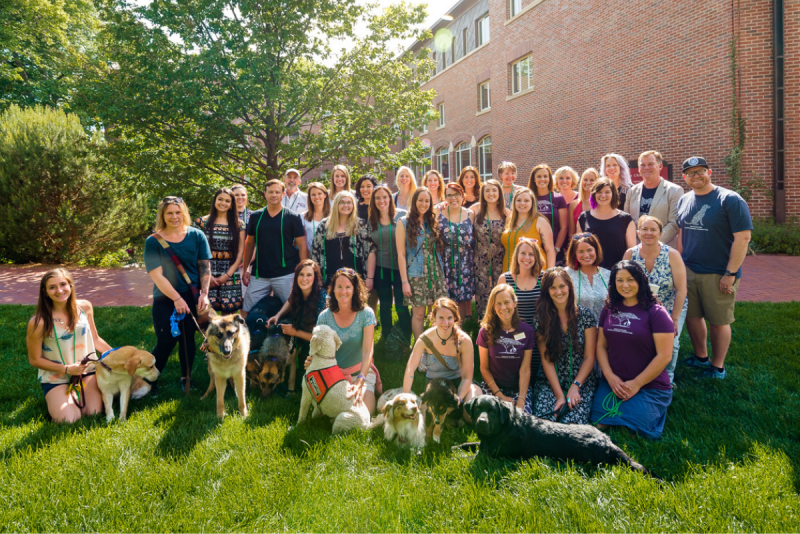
122 372
401 417
228 346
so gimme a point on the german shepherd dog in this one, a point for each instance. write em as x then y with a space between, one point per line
228 345
441 400
267 368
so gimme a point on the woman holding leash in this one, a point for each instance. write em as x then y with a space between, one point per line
634 347
446 351
567 336
225 234
178 259
505 345
490 220
60 335
354 322
306 301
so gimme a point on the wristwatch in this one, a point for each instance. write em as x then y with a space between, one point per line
577 384
729 273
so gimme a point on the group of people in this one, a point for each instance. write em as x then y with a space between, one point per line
583 283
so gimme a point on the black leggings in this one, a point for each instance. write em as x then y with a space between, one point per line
384 288
165 343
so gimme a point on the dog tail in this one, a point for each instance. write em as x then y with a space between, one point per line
636 466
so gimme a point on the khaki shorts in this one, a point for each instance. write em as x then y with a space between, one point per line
707 301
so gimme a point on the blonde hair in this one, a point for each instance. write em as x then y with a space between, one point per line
491 322
347 185
566 170
583 195
511 222
537 252
412 186
645 218
656 153
333 220
162 207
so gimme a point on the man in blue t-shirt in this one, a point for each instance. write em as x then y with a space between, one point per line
273 232
715 227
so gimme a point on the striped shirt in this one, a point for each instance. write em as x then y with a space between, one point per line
526 307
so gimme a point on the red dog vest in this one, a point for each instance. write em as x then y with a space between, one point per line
322 380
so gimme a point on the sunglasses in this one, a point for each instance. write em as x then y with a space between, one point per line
347 271
554 270
581 236
173 200
527 240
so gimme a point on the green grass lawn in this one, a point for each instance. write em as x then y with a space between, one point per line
730 456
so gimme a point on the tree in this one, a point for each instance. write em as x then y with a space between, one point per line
203 90
59 205
45 45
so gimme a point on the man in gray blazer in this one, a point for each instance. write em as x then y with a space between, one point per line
655 196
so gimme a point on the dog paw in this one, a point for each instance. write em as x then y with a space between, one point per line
109 418
437 439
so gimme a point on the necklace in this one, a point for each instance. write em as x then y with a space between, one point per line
339 236
58 320
444 341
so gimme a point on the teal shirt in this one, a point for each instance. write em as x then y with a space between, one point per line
352 337
192 249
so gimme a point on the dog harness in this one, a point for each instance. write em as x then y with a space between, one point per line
319 382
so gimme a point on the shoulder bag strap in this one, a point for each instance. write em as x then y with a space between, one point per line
434 351
177 262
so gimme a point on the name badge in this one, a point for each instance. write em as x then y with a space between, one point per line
519 336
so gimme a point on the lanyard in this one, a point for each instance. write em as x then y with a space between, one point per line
283 254
489 224
513 244
564 386
391 251
74 336
296 196
427 250
552 213
510 196
453 240
580 278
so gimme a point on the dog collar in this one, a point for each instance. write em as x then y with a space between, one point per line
109 351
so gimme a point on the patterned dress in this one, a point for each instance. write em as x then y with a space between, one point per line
459 258
487 271
545 398
431 285
226 298
661 275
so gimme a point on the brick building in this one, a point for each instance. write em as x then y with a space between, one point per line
564 82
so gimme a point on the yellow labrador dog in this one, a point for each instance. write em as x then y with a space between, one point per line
228 345
122 372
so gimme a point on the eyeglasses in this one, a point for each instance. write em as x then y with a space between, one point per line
581 236
699 172
173 200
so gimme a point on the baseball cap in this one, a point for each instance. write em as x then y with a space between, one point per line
694 161
298 172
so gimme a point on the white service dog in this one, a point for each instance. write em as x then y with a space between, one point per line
401 417
326 387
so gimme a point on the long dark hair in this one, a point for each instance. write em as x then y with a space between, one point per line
326 206
304 311
374 213
549 323
532 183
644 296
499 204
44 306
365 178
232 216
359 290
414 228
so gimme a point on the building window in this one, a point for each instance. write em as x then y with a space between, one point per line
424 128
435 63
484 97
485 158
482 30
453 48
516 7
463 157
522 75
441 115
464 40
420 170
443 163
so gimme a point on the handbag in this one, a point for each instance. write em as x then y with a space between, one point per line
202 314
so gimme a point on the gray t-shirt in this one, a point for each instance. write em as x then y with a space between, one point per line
193 248
384 240
708 223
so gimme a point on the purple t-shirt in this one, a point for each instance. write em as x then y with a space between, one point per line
550 213
631 346
505 356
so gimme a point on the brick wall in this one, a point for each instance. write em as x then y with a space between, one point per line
612 76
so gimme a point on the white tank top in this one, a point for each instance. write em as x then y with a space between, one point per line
67 348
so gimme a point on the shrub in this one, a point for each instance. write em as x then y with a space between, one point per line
60 203
771 238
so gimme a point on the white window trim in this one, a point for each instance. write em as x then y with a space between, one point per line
513 68
521 93
480 95
477 26
442 121
524 10
484 112
459 60
511 8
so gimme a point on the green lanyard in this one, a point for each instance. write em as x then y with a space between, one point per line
580 278
489 223
391 251
427 250
552 213
564 386
283 253
74 336
510 197
514 243
453 240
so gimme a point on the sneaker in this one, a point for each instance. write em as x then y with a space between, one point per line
693 361
714 373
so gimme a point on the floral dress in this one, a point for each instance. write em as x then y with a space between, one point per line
661 275
360 245
459 259
545 399
226 298
489 252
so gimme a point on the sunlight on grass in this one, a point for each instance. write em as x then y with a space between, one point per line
729 457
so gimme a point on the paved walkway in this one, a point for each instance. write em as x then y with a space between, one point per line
766 279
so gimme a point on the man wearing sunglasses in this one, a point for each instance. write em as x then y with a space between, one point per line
715 227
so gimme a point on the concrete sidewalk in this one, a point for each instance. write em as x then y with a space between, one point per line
765 279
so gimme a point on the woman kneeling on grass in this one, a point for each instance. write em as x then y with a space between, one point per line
57 351
505 347
567 337
634 346
354 322
446 350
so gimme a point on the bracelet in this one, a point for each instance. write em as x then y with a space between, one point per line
362 377
65 370
370 278
489 385
405 282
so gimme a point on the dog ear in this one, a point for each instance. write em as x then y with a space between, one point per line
132 364
387 408
503 411
238 319
337 340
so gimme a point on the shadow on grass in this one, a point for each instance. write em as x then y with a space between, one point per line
187 424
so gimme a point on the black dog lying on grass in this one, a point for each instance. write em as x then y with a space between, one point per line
506 432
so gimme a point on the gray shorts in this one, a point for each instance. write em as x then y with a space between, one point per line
261 287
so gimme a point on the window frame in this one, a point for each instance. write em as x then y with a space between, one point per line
488 105
515 76
443 152
480 38
514 8
440 109
483 169
459 160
